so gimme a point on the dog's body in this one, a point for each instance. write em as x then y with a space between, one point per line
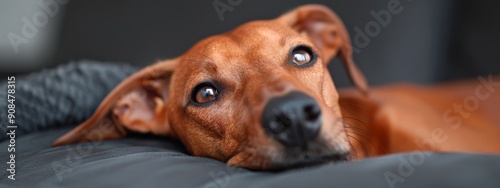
458 116
261 97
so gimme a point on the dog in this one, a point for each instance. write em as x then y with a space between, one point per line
261 97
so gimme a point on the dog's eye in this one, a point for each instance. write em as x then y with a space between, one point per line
302 56
204 93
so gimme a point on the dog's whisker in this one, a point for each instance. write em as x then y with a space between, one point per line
361 144
358 127
358 133
363 134
355 119
354 128
352 152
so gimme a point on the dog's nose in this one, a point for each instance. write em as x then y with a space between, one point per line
293 119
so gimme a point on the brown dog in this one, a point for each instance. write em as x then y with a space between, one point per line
261 97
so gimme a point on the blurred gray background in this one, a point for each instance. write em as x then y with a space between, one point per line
428 41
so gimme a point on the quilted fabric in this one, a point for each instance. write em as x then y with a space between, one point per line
66 95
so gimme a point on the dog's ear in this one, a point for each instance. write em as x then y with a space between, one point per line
137 104
328 33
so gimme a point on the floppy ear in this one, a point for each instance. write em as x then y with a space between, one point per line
136 104
328 33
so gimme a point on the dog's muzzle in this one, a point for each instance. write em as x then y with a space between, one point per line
293 119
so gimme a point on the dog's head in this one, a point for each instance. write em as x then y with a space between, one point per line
259 96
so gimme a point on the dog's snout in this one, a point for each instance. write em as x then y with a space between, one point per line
293 119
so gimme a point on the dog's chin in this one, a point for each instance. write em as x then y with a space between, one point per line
317 153
293 161
288 161
316 161
281 157
312 161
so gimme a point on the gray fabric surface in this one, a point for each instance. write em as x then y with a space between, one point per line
147 161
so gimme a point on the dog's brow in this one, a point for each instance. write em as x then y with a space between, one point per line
286 34
206 65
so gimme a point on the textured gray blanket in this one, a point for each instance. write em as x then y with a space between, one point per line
65 95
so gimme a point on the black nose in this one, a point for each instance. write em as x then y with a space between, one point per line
293 119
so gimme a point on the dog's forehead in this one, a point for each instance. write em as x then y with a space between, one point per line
269 31
251 40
